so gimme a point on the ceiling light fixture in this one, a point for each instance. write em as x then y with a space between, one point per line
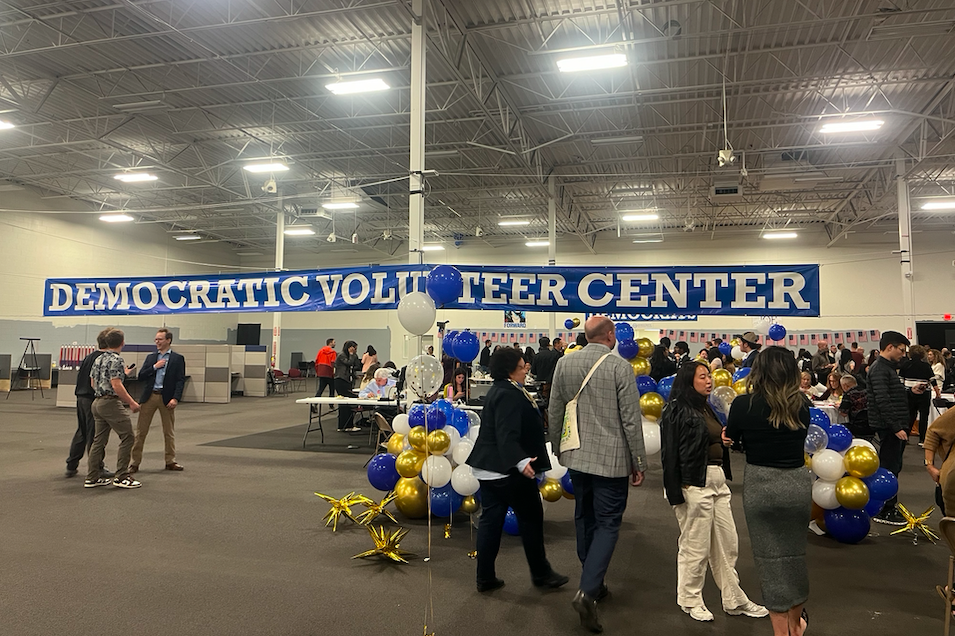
591 63
116 218
513 223
640 216
152 104
340 205
5 125
780 235
265 167
358 86
187 237
939 205
632 139
135 177
537 243
432 248
299 230
440 153
859 125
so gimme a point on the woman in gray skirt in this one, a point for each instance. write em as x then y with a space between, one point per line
770 423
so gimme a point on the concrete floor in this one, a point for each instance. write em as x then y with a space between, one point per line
235 545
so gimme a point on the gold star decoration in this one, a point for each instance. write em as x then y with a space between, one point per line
914 523
447 531
472 554
386 545
341 507
377 509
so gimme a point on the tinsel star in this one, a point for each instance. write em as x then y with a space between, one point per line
914 523
447 531
341 507
377 509
386 545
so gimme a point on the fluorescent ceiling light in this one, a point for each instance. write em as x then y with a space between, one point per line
5 125
116 218
859 125
632 139
939 205
358 86
134 177
592 63
151 104
648 240
299 230
188 237
512 223
780 235
441 153
265 167
537 243
248 254
340 205
432 248
643 216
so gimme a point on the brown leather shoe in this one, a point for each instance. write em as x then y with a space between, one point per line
173 466
133 469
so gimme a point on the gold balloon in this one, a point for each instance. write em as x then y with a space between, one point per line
576 322
395 444
807 460
861 461
645 348
551 490
852 493
722 377
438 442
409 463
470 505
567 495
735 342
570 349
412 497
641 366
739 386
418 438
651 405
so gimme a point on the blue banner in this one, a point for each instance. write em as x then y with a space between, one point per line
770 290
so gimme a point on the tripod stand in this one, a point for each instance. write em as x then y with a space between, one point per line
28 370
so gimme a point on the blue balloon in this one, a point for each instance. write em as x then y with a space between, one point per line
447 344
741 373
847 526
664 386
624 331
882 485
646 384
567 483
569 324
446 406
445 284
874 507
444 501
460 421
436 417
416 414
510 523
466 346
839 438
721 416
777 332
726 348
382 474
628 349
819 418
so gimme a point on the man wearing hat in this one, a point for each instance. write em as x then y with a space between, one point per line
750 347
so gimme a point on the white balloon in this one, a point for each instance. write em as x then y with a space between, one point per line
556 470
461 451
436 471
424 375
824 494
737 353
455 439
474 417
473 432
463 481
762 325
416 313
400 424
861 442
651 438
828 465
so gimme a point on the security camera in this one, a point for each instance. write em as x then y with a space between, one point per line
270 186
478 231
726 157
332 238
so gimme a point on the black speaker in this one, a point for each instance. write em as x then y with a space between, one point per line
248 334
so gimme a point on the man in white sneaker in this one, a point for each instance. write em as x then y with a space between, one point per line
164 374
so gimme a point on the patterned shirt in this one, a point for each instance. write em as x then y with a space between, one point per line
105 368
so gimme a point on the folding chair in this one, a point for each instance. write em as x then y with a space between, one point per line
384 431
296 379
277 383
947 528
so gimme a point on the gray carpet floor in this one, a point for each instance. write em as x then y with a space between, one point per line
235 545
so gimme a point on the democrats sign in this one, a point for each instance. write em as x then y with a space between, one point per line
772 290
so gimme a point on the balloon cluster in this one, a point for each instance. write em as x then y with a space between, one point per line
463 345
768 327
849 487
571 323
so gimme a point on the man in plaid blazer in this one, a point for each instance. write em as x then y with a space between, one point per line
611 451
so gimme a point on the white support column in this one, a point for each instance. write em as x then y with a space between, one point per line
551 245
416 166
279 266
905 249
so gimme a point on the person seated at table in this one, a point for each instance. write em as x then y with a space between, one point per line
457 389
855 407
809 387
380 387
367 377
833 390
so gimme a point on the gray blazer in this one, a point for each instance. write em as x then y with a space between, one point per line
608 414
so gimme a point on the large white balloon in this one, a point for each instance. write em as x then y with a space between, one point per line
651 437
556 470
436 471
473 432
828 465
400 424
455 439
861 442
424 375
737 353
463 481
474 418
416 313
762 325
824 494
461 451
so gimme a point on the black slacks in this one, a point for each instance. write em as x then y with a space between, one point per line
85 428
919 404
891 449
325 382
345 411
599 504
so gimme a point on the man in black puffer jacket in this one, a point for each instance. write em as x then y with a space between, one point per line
889 413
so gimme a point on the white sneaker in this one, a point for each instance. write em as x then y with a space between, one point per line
750 609
698 613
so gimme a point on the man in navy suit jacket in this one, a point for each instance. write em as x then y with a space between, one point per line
164 374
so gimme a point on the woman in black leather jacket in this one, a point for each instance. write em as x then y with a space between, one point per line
695 471
347 365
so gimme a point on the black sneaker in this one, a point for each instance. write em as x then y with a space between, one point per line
126 482
890 518
107 474
102 481
71 472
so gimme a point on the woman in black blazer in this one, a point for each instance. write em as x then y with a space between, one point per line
507 457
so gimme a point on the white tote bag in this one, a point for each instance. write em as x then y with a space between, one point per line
569 435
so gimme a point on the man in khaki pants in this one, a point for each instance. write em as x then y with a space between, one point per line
164 374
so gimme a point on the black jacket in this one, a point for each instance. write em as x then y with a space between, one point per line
83 386
173 382
544 364
485 358
685 444
888 402
511 430
346 367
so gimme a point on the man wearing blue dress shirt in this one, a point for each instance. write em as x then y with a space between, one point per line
164 375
